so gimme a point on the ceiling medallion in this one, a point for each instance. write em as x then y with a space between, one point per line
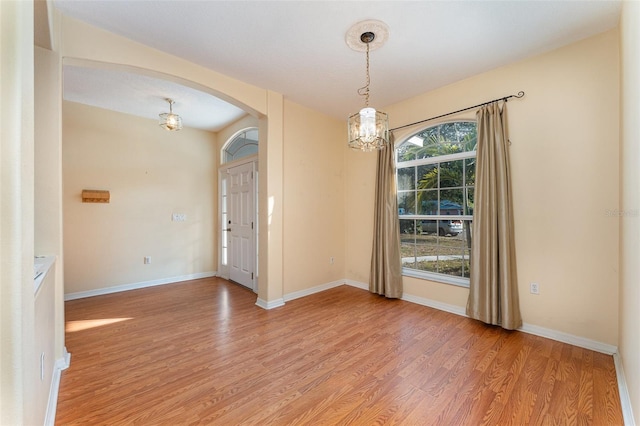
378 28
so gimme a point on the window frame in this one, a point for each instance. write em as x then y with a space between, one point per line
227 156
435 160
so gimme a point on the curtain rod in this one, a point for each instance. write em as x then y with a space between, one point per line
519 95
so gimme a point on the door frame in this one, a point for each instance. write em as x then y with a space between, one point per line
223 261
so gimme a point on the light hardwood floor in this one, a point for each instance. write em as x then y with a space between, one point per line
201 352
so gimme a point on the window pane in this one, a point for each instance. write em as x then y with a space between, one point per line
428 176
408 228
430 144
467 135
428 263
465 264
245 151
407 242
451 174
427 247
470 201
451 201
428 202
406 202
430 135
407 178
448 228
448 133
470 171
242 145
430 227
405 153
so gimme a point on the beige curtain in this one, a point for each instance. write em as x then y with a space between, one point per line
493 292
386 268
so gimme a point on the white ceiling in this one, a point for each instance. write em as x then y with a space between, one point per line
145 97
298 48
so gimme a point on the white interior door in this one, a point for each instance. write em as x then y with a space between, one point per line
240 224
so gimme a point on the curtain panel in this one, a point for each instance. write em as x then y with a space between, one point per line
386 265
493 284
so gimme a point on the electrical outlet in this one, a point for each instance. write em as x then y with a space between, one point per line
147 260
179 217
534 288
331 260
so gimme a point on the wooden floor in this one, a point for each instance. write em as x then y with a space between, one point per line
201 352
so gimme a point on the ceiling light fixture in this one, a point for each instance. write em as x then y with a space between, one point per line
368 129
170 121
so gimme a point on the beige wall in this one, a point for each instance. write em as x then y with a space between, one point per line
360 175
630 202
565 175
313 198
48 175
151 174
270 200
17 353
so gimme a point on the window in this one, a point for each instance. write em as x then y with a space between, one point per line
436 171
243 144
224 217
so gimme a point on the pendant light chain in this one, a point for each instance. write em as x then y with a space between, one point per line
364 90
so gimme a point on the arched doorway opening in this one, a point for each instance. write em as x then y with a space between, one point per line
238 208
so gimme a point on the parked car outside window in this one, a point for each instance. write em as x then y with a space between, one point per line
442 227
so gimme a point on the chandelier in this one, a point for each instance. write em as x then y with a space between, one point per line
368 129
170 121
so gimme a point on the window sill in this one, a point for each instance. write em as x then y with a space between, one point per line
439 278
41 266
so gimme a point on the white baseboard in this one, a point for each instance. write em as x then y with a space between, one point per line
135 286
312 290
569 338
297 294
453 309
625 398
459 310
270 305
357 284
60 365
526 328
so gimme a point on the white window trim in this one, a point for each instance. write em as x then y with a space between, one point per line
437 159
434 276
